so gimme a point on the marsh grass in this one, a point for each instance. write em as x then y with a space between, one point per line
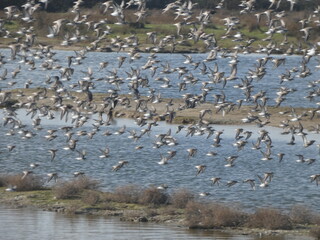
127 194
302 215
90 198
213 215
29 183
134 194
3 180
135 203
315 232
153 196
270 219
73 189
181 197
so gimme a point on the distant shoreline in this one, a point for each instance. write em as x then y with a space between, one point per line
141 49
183 116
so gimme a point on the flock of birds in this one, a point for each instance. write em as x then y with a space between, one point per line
30 55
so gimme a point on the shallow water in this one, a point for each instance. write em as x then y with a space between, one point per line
33 224
270 82
290 185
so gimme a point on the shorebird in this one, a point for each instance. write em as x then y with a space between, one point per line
25 174
292 3
51 176
306 142
281 155
204 194
11 147
45 2
119 165
191 152
77 174
53 153
251 182
82 155
200 169
10 11
306 32
231 183
212 154
300 158
230 161
264 181
215 180
315 178
34 165
266 155
200 77
164 160
275 3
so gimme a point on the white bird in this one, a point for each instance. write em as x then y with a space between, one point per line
53 176
105 152
25 174
53 153
119 165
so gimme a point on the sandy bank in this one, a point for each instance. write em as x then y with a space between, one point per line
161 110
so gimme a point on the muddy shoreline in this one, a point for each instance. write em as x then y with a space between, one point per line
45 201
234 116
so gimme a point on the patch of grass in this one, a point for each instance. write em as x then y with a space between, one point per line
270 219
72 189
181 197
66 190
225 216
315 232
153 196
3 180
194 213
151 204
127 194
301 215
90 197
213 215
85 182
162 24
29 183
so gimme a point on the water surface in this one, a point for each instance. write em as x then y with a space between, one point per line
290 185
33 224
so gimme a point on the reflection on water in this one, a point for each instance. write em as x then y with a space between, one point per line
32 224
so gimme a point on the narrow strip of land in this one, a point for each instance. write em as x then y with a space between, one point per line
160 110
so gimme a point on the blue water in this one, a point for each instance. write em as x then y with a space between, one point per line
102 80
291 182
53 226
290 185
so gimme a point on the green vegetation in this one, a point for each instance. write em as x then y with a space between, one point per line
162 25
64 5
